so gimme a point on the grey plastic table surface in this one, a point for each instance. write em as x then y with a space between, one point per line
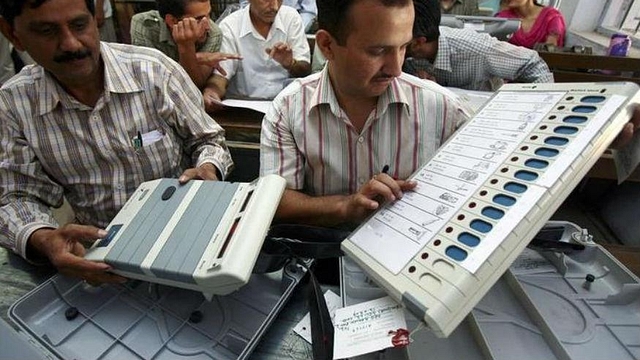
17 277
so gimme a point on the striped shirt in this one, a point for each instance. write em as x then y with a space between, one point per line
52 145
308 139
475 61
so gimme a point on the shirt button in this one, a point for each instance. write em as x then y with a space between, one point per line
362 180
361 139
119 187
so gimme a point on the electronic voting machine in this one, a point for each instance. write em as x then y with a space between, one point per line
486 193
203 235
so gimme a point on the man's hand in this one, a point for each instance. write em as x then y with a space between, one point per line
206 171
379 189
214 59
628 131
63 247
422 74
186 32
211 100
282 53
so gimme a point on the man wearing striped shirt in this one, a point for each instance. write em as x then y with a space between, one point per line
330 134
466 59
90 122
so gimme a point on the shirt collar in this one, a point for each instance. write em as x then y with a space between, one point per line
118 79
324 94
246 26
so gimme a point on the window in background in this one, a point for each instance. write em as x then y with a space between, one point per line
621 16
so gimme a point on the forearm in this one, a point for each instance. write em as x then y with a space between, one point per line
297 207
217 84
535 70
198 73
299 68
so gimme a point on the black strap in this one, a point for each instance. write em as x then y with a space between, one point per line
320 320
309 241
285 241
290 240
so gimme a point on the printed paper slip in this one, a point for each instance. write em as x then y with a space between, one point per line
367 327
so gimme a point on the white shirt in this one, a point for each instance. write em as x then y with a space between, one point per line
258 76
108 12
306 8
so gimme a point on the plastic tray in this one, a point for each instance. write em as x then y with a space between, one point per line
140 320
542 308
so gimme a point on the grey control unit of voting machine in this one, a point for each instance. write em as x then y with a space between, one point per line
203 235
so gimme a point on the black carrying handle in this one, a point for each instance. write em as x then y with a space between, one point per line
285 241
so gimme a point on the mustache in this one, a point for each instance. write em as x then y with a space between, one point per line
72 55
384 77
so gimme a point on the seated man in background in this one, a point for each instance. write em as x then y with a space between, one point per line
331 134
90 122
306 8
181 29
271 40
460 7
466 59
104 18
7 70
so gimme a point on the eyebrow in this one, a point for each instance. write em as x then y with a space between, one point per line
388 46
198 18
36 24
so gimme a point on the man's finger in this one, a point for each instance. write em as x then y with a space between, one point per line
70 263
231 56
104 278
635 119
82 232
221 70
187 175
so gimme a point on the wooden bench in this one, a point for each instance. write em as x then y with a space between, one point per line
571 67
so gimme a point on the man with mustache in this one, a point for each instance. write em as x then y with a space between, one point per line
181 29
90 122
271 40
331 133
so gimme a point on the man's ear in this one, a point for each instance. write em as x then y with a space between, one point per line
416 45
170 20
326 43
420 40
7 31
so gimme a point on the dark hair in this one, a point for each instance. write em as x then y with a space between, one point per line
427 19
333 16
10 9
174 7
